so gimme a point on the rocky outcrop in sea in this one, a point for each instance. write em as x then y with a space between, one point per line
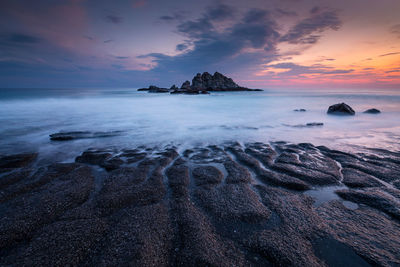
341 109
201 84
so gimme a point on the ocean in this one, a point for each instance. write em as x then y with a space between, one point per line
29 116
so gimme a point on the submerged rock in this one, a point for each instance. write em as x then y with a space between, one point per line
372 111
66 136
93 157
309 124
155 89
341 109
17 160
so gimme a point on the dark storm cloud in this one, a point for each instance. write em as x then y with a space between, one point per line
114 19
295 69
18 39
306 31
213 47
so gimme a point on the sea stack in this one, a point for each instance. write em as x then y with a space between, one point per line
202 84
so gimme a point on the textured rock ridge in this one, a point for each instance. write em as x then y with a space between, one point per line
225 205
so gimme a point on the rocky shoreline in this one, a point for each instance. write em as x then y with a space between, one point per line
231 204
202 84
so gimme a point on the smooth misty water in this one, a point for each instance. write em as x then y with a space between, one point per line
28 116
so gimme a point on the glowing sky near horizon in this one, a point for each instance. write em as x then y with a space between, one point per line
259 43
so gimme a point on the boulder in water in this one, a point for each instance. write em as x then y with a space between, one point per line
341 109
372 111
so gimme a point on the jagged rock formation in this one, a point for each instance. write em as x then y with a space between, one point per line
202 84
210 82
186 85
225 205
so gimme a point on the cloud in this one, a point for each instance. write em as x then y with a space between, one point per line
167 18
315 10
62 23
393 70
117 66
108 41
292 69
18 39
219 12
250 39
181 47
390 54
307 30
283 12
120 57
395 29
114 19
88 37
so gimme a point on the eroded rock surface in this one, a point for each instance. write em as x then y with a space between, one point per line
225 205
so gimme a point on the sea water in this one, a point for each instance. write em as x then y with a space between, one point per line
29 116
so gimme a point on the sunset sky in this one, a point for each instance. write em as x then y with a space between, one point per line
259 43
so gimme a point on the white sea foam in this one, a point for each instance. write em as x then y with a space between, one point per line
27 117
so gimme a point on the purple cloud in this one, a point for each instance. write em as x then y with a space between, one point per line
307 30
